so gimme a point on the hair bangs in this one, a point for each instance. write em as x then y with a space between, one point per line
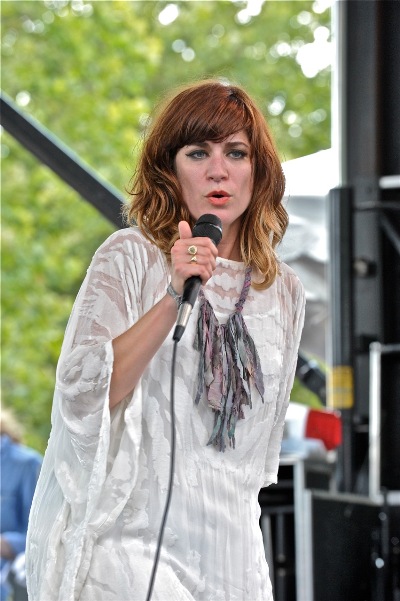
215 121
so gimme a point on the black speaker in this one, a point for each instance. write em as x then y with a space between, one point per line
355 549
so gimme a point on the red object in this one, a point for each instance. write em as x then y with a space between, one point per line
326 426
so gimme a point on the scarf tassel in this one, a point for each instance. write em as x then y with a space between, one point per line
229 364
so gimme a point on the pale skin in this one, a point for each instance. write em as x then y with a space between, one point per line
202 170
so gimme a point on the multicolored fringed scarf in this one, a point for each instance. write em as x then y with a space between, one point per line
229 363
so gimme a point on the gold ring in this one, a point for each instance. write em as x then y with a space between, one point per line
193 259
192 250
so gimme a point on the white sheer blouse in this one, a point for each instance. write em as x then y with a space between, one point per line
97 509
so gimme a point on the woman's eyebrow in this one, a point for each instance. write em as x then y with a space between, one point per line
231 144
237 143
201 144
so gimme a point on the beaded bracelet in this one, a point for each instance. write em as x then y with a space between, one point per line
177 297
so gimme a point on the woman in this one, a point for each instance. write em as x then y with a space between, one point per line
98 506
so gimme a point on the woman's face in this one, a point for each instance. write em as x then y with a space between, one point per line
217 178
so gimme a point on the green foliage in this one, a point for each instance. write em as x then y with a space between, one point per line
45 243
91 73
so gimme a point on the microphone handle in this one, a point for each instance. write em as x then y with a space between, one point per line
189 296
191 290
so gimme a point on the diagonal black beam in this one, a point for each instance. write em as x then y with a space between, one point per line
65 163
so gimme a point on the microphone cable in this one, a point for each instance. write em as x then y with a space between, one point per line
171 475
210 226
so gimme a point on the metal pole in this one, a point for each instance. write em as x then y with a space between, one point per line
374 484
340 382
62 160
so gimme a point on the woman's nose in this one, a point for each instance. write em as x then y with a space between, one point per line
217 168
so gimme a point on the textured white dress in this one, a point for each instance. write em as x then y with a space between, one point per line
97 509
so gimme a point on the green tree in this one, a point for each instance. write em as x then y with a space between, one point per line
91 72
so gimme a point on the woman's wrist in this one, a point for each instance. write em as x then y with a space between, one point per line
177 297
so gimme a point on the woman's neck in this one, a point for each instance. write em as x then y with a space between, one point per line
229 247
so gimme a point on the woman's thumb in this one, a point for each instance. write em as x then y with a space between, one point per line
184 230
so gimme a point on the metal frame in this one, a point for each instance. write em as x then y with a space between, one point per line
302 500
375 400
364 225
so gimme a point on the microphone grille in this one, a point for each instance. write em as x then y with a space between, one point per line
209 226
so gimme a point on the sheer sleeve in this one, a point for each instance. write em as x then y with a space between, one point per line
107 305
293 307
91 462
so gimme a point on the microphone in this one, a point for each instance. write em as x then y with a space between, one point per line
208 226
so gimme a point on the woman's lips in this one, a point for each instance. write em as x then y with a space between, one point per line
218 198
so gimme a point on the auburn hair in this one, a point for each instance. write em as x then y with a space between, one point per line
209 110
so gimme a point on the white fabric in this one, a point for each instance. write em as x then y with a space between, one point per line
97 509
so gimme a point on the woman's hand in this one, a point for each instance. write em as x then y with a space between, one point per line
182 265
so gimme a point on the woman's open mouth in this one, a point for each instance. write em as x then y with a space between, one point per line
218 197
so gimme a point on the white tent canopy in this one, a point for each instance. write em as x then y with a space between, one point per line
305 245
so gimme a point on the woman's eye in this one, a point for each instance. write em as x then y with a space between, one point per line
238 154
196 154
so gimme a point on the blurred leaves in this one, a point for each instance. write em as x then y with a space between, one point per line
91 72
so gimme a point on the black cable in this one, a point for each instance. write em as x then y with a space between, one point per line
171 477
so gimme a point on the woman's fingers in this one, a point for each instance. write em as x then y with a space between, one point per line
191 256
